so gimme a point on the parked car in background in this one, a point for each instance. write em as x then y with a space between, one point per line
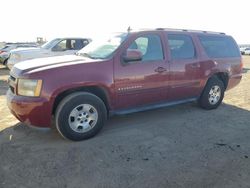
129 72
56 47
5 51
242 50
247 51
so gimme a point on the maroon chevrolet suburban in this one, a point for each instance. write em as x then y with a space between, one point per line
124 73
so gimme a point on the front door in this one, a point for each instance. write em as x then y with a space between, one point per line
142 82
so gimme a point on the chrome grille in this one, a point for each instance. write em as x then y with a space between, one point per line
12 81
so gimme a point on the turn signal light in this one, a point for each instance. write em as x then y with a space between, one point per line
241 65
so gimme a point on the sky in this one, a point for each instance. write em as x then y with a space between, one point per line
24 20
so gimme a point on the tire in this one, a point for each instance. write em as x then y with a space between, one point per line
71 117
213 94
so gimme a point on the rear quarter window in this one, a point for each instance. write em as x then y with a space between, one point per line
219 46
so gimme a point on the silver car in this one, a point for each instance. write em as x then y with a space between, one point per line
56 47
5 51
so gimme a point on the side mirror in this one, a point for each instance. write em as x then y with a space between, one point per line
132 55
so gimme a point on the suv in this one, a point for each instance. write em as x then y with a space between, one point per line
128 72
56 47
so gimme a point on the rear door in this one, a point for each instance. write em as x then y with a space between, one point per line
184 67
142 82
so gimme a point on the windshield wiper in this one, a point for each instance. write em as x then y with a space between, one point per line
84 55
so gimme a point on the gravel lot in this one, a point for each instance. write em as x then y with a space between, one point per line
181 146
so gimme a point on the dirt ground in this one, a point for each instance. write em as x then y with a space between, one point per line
181 146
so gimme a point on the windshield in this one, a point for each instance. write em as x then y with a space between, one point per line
5 48
104 48
50 44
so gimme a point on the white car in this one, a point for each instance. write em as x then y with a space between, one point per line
242 50
247 51
56 47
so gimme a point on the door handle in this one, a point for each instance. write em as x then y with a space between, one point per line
160 69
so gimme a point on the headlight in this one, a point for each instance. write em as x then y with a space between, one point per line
15 56
26 87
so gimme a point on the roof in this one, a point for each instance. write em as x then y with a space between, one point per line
178 30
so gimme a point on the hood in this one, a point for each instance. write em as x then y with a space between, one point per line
26 50
50 62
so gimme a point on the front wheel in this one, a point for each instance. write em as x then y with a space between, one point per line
80 116
213 94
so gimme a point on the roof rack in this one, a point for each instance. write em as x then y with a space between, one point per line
191 30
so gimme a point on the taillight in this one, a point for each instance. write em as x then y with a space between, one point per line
241 65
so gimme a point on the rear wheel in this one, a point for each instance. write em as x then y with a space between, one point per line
213 94
80 116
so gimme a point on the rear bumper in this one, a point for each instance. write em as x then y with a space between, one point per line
234 80
30 110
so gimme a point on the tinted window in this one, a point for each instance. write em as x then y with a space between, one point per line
181 47
77 44
219 46
150 46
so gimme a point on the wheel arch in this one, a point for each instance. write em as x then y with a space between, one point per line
96 90
223 76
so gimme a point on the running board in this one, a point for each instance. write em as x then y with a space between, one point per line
150 107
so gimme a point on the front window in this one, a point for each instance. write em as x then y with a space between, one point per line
61 46
150 47
104 48
50 44
70 44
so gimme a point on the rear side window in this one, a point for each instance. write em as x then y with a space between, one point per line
219 46
181 47
78 44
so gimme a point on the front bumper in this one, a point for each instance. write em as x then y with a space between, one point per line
10 63
33 111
